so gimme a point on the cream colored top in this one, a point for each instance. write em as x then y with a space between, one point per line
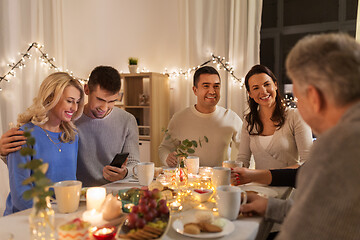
289 145
222 127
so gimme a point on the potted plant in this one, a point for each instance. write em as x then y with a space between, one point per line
133 65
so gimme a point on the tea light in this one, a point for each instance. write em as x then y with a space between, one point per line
95 197
92 216
205 171
175 205
128 206
105 233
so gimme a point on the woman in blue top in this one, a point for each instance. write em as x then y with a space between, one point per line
59 102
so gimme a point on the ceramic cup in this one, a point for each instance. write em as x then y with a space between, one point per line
145 172
67 195
232 164
192 164
221 176
229 201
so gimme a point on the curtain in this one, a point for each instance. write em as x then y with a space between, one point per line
163 34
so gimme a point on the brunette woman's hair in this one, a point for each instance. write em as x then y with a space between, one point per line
255 126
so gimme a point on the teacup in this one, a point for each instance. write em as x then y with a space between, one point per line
229 201
67 195
232 164
145 172
221 176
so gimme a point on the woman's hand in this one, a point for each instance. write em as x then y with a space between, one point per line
245 175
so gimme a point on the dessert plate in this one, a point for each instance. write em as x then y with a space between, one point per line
178 226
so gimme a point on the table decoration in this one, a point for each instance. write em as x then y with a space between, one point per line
76 229
93 216
41 219
183 149
95 197
112 208
104 233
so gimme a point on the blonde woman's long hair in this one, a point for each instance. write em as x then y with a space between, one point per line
50 92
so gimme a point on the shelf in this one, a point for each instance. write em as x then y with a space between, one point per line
144 137
137 106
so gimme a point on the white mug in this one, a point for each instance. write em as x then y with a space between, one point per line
145 172
192 164
221 176
67 195
232 164
229 201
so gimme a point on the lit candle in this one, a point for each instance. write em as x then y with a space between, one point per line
105 233
95 197
93 216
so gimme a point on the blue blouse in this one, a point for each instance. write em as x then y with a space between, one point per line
62 165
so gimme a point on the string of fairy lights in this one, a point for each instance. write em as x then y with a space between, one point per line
220 62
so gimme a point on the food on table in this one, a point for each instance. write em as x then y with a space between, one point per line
204 216
83 192
74 230
157 171
156 185
192 228
196 228
202 195
111 208
204 223
149 218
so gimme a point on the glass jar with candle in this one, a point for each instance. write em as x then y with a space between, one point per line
42 221
181 173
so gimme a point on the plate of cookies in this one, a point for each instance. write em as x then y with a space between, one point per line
203 224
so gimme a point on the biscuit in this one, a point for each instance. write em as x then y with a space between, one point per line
192 229
211 228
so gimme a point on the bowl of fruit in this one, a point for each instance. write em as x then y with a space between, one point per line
148 219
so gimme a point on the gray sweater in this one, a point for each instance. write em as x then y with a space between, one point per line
327 201
100 140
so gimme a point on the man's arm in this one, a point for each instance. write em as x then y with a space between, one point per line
11 141
167 156
131 145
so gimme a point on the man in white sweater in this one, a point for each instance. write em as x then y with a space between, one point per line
325 70
221 126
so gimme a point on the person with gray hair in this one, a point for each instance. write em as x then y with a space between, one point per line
325 70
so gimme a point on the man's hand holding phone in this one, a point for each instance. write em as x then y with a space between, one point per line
117 169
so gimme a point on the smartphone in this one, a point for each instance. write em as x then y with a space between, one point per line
119 159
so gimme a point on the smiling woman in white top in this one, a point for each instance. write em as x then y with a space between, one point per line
276 136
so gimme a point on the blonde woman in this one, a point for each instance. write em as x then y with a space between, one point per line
59 102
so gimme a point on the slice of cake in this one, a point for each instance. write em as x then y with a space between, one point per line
74 230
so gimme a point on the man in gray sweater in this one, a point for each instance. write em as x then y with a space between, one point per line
103 131
325 70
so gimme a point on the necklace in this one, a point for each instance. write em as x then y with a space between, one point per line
56 144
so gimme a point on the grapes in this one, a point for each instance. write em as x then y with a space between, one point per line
164 209
152 203
140 223
143 208
149 209
132 219
135 209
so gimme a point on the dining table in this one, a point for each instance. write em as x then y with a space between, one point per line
246 228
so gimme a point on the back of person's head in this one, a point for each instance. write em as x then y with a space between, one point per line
49 94
108 78
204 70
329 62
